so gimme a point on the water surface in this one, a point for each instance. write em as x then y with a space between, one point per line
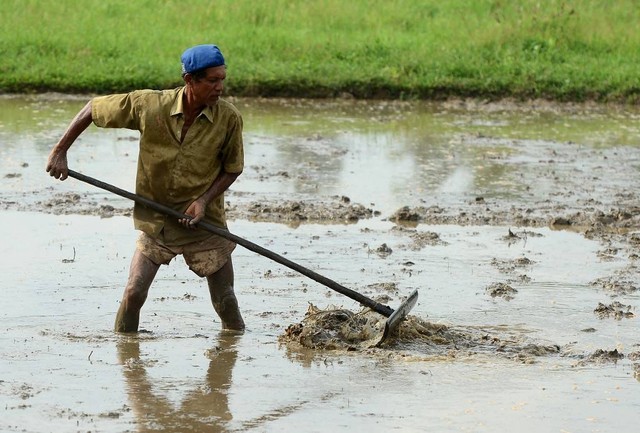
63 369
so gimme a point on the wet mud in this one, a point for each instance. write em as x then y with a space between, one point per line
338 329
524 248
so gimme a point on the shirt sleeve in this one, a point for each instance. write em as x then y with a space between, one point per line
115 111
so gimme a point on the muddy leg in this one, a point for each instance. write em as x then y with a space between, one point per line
141 275
224 299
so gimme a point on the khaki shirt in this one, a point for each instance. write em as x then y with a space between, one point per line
170 172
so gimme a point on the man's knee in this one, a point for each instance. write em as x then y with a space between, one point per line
143 271
221 281
134 298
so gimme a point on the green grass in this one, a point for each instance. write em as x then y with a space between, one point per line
565 50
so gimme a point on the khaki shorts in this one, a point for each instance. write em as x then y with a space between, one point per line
203 257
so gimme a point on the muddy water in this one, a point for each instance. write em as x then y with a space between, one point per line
512 329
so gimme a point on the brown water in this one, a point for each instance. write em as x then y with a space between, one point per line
539 359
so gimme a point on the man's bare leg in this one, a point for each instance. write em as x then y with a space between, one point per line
141 275
224 299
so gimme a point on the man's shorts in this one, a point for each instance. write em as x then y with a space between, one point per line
203 257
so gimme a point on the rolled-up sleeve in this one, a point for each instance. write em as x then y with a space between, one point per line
115 111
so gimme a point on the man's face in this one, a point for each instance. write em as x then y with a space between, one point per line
207 90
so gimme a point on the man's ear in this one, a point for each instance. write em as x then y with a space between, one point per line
188 78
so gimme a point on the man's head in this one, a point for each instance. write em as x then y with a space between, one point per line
203 70
200 57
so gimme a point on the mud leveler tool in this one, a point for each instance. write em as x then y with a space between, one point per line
394 317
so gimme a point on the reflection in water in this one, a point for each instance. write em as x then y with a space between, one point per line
458 181
204 409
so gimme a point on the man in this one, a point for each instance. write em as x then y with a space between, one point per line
191 151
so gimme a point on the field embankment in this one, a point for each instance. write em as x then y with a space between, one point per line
563 50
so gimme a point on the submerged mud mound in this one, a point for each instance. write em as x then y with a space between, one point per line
335 209
539 214
339 329
76 204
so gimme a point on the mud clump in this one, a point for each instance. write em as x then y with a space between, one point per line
339 329
601 356
616 310
335 329
63 200
383 250
420 239
416 214
635 358
508 266
501 290
616 287
440 340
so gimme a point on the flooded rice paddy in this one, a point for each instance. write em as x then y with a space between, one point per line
517 223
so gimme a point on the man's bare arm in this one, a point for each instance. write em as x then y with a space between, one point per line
57 165
197 209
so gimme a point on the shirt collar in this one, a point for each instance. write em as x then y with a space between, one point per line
177 108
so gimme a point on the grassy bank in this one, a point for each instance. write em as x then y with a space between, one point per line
565 50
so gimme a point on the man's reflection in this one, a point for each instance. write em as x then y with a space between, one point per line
205 409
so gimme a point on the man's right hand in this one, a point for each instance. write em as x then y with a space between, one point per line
57 165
